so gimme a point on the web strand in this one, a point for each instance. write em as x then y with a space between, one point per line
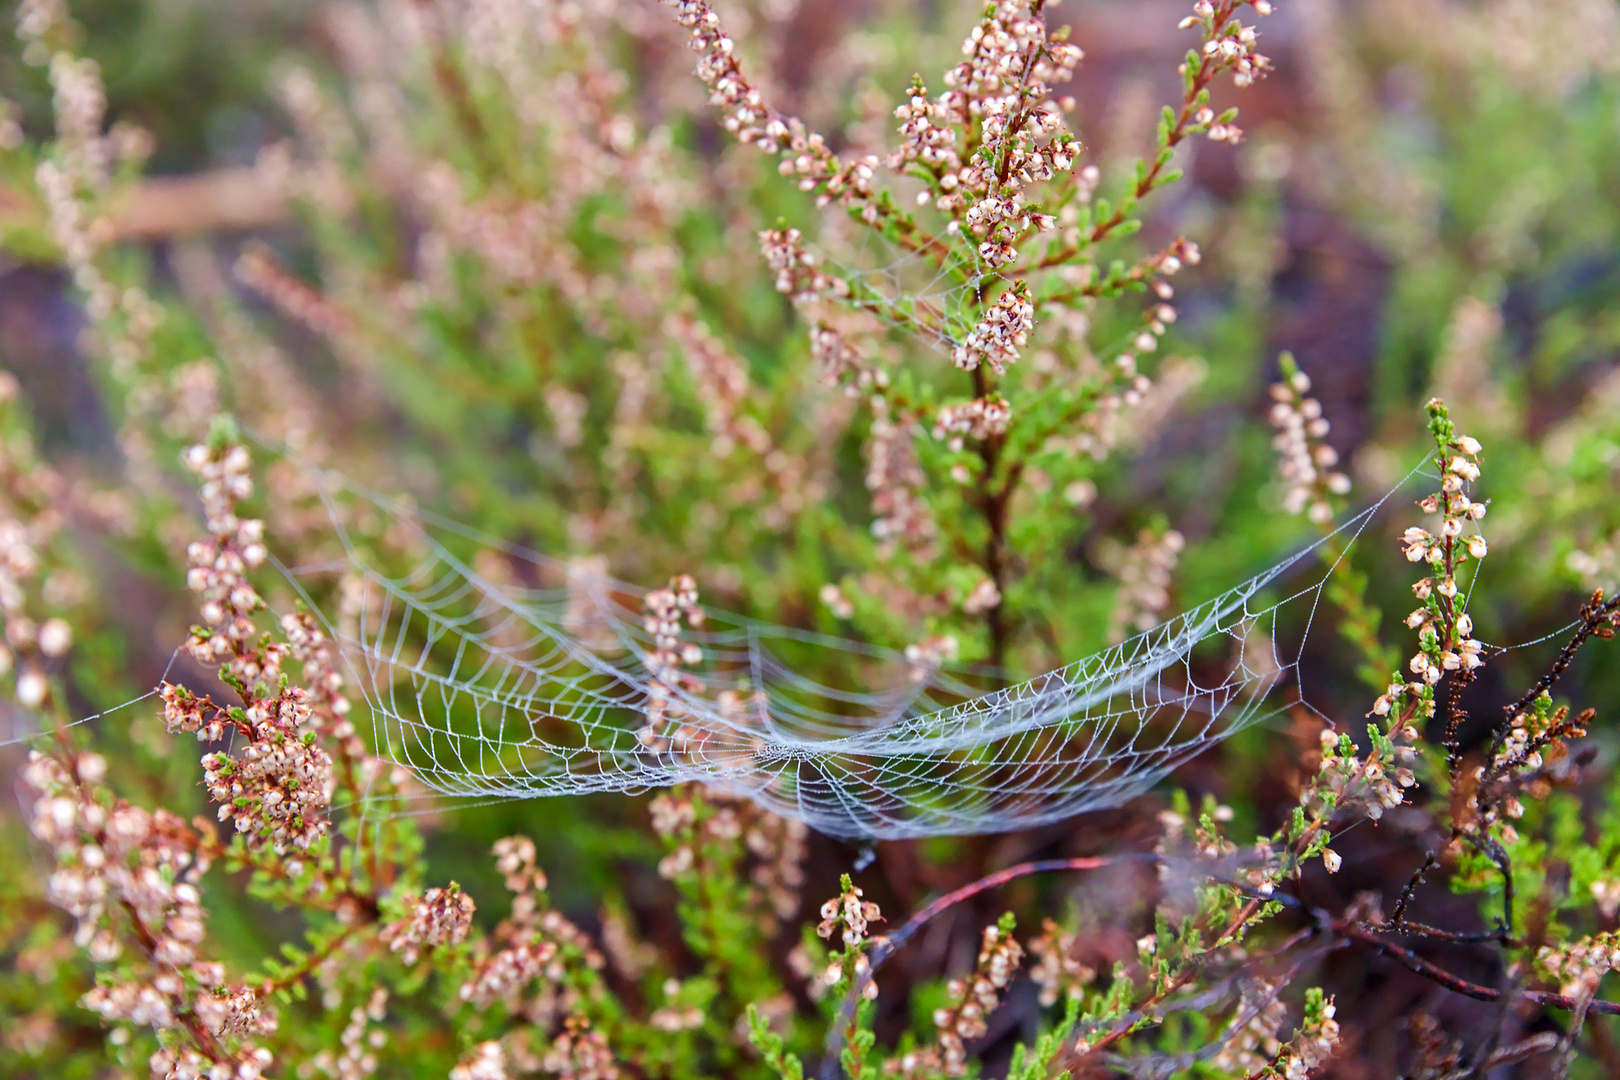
489 690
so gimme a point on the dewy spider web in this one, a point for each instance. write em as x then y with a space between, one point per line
484 689
911 293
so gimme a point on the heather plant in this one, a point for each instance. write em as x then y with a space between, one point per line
912 365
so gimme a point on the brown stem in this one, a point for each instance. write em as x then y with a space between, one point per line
313 961
1595 616
1208 65
461 100
1456 983
201 1036
993 504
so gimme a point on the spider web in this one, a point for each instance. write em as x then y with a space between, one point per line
538 682
936 301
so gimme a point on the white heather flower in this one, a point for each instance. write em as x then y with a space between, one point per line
1001 333
984 597
32 688
55 637
839 604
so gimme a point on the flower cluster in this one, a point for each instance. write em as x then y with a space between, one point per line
1055 970
977 419
1445 641
981 598
580 1053
515 859
1578 966
1000 334
1313 1043
1144 576
838 360
971 1001
258 269
536 943
797 271
75 178
1230 44
1531 734
277 789
1254 1045
505 975
358 1059
976 997
665 610
901 518
440 916
720 825
1129 408
488 1062
1004 87
328 706
31 499
675 1017
723 383
848 915
1304 461
779 845
755 122
928 137
1375 782
926 656
130 877
725 391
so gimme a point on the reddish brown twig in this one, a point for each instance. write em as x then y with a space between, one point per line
887 944
1456 983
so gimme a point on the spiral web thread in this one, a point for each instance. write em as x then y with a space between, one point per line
909 293
489 690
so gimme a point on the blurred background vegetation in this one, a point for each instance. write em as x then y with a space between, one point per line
1427 202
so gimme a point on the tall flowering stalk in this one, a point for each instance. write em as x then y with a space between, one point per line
1313 484
984 187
